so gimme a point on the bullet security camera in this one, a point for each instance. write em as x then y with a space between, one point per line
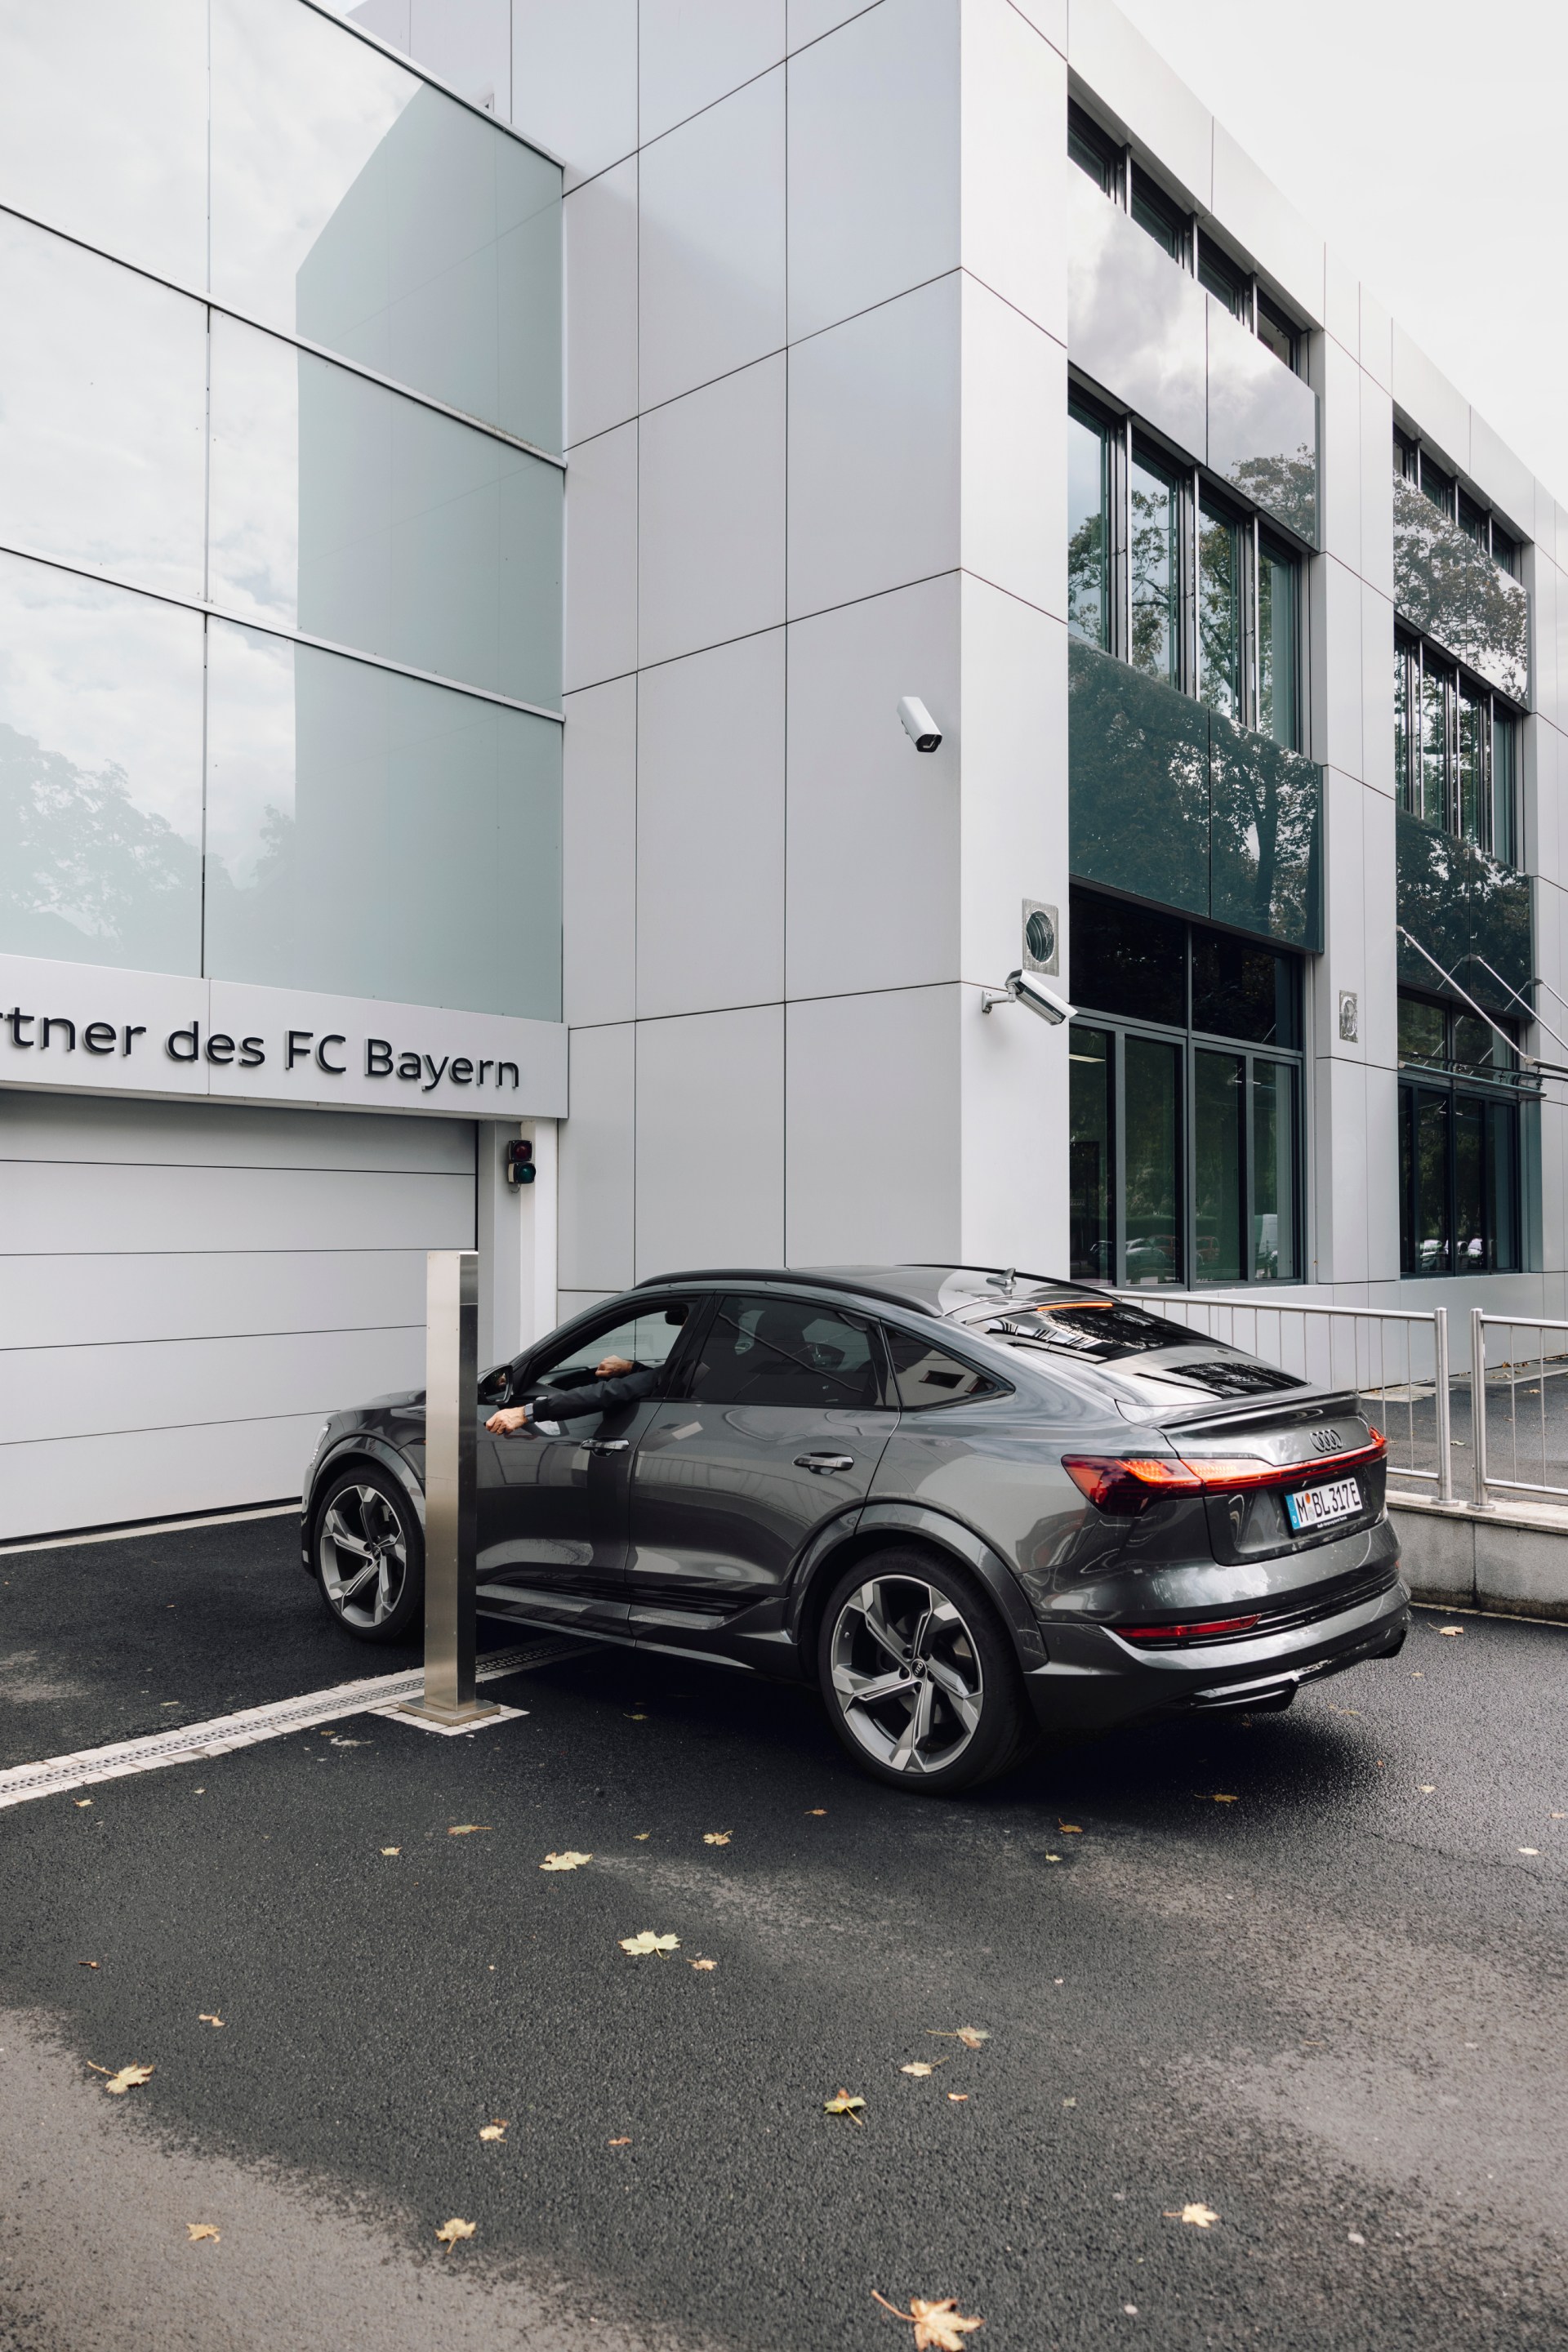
1028 989
918 723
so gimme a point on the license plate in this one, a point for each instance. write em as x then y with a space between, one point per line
1320 1504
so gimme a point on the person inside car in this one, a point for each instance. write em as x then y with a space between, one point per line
615 1380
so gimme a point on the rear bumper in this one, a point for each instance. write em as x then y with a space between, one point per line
1093 1681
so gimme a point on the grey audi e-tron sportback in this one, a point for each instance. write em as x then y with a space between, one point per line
972 1508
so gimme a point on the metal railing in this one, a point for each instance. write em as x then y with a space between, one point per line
1522 1378
1394 1359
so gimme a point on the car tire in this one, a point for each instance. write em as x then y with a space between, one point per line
368 1548
954 1711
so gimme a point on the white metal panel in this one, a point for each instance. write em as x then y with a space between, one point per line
186 1384
54 1206
92 1301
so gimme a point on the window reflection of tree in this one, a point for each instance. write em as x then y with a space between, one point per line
84 863
1285 488
1454 591
1153 566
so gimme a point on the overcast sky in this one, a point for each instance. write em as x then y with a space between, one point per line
1427 141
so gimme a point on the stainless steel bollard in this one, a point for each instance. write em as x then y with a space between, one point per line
451 1432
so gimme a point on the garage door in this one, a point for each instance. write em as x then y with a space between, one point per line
187 1288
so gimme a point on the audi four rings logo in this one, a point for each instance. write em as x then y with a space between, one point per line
1327 1441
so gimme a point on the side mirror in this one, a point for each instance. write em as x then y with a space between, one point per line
494 1385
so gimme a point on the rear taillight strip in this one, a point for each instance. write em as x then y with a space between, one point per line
1208 1628
1125 1484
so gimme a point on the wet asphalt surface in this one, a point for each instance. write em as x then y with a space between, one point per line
1330 2011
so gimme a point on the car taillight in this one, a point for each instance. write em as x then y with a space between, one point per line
1206 1630
1123 1485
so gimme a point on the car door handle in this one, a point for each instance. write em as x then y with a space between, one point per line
822 1462
605 1445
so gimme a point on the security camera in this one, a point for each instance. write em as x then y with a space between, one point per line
1027 988
919 725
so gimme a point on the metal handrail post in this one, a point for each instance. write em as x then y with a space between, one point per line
1478 1402
1445 1436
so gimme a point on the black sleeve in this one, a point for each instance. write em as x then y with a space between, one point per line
596 1396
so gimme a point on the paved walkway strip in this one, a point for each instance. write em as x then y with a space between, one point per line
194 1742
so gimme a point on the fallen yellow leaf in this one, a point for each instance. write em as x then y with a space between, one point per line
207 2017
450 2231
1221 1799
1453 1632
619 2143
939 2326
1530 1848
1069 1829
79 1801
636 1718
567 1861
1069 2103
715 1837
1427 1788
648 1942
959 2098
1202 2217
493 2131
128 2078
468 1829
816 1812
392 1849
197 2231
704 1964
843 2103
971 2036
920 2067
643 1835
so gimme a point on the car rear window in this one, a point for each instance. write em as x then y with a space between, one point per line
1099 1331
925 1375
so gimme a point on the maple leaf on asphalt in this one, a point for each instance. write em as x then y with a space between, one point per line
207 2017
845 2103
197 2231
939 2326
450 2231
1069 1829
493 2131
128 2078
1453 1632
648 1942
920 2067
704 1965
1202 2217
468 1829
392 1849
715 1837
567 1861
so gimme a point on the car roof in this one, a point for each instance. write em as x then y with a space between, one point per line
926 1289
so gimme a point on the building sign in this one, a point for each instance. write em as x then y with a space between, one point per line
87 1029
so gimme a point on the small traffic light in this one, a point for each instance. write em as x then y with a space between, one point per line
520 1166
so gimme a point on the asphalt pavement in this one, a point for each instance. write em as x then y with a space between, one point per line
1304 1975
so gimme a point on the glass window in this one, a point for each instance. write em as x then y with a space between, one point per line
645 1340
1224 279
1505 794
1091 1167
1219 611
1505 550
103 414
1275 329
1154 1213
1093 152
1275 1159
1431 1172
1219 1111
1422 1030
1153 211
1501 1170
1434 744
345 512
103 126
101 772
1241 991
1473 521
789 1352
1439 486
1155 545
1279 577
1406 695
1128 960
1475 732
1088 530
925 1376
374 835
1477 1045
357 207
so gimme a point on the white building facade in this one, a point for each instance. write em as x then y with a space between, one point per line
942 348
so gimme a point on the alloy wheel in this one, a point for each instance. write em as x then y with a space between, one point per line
363 1555
907 1675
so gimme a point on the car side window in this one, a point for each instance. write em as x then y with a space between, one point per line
646 1339
925 1375
788 1351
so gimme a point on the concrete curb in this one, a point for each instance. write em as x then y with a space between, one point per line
1506 1562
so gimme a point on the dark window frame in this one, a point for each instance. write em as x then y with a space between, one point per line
1468 513
1451 1089
1416 661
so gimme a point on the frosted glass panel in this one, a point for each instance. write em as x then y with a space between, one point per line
103 129
101 772
357 207
346 511
102 402
375 836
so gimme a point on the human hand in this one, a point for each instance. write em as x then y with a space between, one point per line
611 1367
510 1417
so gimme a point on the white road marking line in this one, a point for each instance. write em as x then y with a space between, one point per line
377 1693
